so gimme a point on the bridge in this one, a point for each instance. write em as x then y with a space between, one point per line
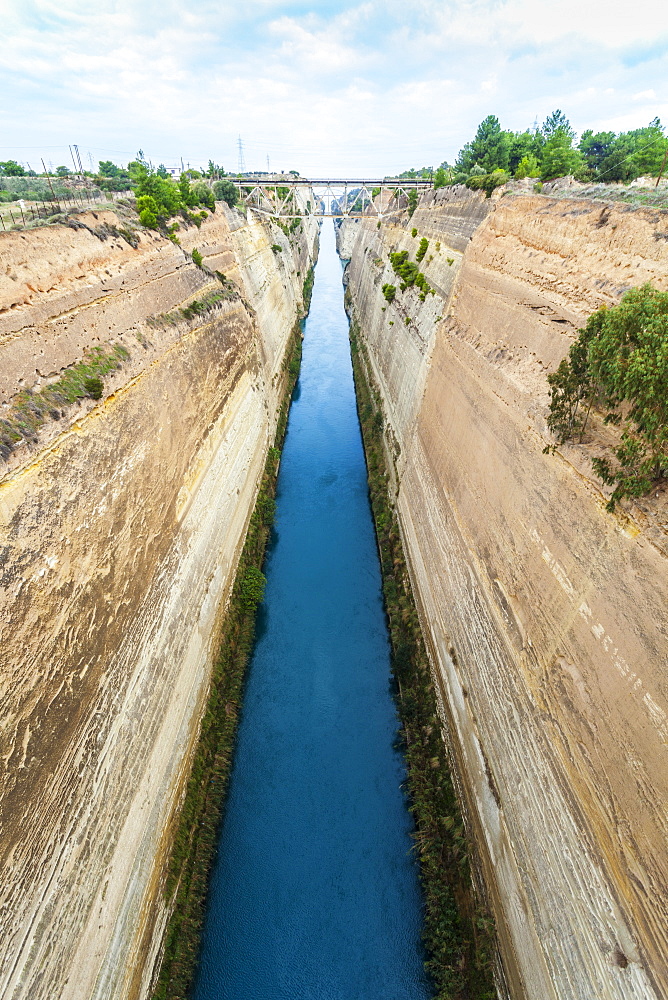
289 196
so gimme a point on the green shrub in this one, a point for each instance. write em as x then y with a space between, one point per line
197 257
252 588
31 409
619 364
307 289
93 386
422 250
148 218
204 195
389 291
413 232
225 190
527 167
276 248
488 182
408 272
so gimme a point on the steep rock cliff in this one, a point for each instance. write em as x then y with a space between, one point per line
546 615
121 523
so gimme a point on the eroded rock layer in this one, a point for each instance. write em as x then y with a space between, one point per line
546 615
121 522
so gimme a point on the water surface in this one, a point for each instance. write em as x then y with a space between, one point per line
314 894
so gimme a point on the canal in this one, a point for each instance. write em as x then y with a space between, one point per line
314 894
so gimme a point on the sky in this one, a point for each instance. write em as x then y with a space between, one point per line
328 89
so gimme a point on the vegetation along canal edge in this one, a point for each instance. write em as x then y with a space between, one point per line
196 828
459 933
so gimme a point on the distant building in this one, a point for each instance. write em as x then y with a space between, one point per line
174 172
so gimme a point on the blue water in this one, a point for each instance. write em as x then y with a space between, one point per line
315 894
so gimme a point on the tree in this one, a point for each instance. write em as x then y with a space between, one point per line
491 146
225 190
204 195
108 169
650 147
596 148
162 171
63 171
10 168
521 145
558 156
188 196
440 178
527 167
138 171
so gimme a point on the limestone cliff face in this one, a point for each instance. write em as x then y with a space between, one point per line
546 616
120 528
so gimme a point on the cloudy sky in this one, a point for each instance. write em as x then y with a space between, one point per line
324 88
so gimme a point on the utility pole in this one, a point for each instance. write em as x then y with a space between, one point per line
242 162
53 193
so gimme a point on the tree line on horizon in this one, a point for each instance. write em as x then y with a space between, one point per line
159 195
496 155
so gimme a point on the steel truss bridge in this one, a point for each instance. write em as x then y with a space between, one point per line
291 197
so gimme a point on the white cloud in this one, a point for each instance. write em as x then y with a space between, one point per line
335 87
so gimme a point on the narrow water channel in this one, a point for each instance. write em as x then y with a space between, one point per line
315 891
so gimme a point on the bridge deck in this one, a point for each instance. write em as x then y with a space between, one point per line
282 181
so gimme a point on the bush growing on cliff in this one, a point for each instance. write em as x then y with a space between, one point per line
389 291
422 250
94 386
488 182
408 272
619 364
33 408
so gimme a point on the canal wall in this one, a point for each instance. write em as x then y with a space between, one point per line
545 615
121 522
